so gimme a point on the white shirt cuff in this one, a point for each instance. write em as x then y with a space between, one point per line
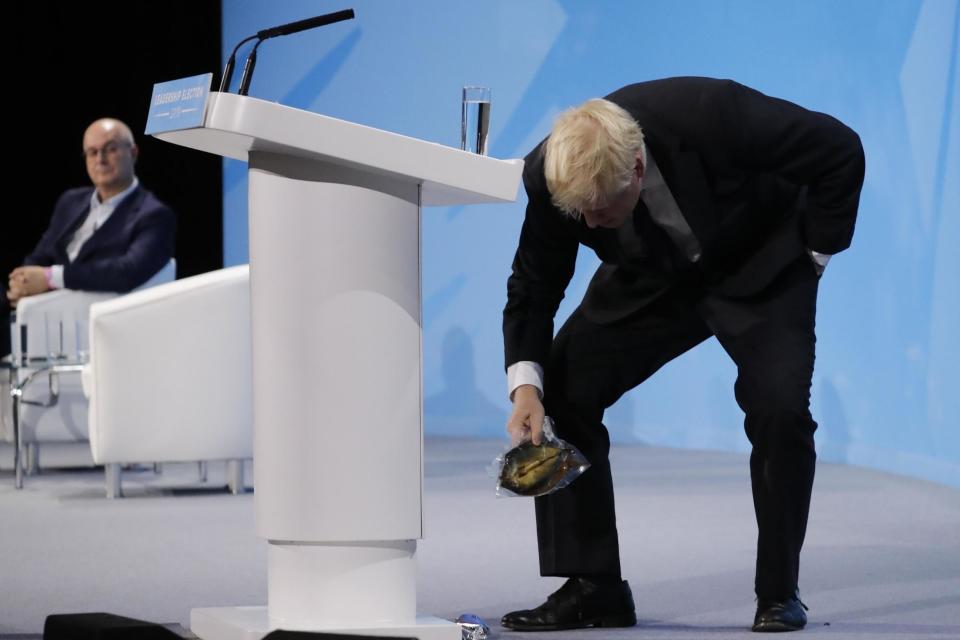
524 372
56 276
820 258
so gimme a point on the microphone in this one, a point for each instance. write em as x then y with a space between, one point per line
303 25
273 32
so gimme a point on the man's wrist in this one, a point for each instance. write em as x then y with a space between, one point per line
525 372
527 389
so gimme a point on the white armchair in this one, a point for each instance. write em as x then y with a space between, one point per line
55 324
169 376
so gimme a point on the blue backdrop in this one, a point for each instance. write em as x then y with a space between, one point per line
887 382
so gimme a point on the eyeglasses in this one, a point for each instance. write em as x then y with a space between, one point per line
109 149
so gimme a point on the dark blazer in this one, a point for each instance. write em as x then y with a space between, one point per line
133 244
758 179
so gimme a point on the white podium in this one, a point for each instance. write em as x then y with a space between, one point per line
334 211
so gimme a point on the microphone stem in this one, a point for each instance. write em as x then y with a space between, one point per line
248 70
228 69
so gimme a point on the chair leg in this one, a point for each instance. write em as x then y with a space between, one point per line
32 461
235 476
202 470
112 474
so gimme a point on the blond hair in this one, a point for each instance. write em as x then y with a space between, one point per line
590 155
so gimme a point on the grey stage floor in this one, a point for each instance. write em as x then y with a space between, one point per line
882 558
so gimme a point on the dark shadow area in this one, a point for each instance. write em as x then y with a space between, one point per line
76 62
461 408
834 428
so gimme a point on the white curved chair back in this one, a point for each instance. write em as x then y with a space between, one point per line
169 377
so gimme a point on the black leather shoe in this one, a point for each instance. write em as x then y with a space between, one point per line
780 615
579 603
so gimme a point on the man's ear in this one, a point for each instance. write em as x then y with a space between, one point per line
134 152
638 167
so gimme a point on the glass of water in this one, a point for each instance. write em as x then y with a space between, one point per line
53 323
475 119
80 330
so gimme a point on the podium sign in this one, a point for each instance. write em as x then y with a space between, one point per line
178 104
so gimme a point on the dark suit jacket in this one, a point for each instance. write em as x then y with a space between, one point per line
758 179
133 244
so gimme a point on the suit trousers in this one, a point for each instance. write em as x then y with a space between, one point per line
770 336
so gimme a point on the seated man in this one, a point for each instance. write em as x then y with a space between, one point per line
111 237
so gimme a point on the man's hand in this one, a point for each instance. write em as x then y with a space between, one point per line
13 294
26 281
526 421
14 290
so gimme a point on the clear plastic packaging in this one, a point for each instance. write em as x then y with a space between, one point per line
530 470
473 627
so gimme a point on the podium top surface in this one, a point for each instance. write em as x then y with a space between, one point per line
235 125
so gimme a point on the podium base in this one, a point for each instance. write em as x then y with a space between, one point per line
252 623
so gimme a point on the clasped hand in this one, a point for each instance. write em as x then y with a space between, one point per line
25 281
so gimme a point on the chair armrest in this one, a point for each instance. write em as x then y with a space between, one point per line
49 315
